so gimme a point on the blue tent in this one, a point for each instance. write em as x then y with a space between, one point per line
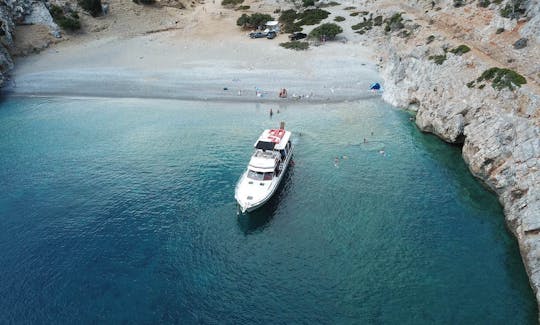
375 86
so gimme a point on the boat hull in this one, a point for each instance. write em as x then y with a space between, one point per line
254 205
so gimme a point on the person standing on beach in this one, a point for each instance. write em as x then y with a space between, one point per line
271 113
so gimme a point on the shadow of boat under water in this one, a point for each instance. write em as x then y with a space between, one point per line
258 220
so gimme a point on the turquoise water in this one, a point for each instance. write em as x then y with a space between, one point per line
116 210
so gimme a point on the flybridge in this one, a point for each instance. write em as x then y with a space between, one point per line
273 139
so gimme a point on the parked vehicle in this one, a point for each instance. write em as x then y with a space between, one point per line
257 34
271 35
297 35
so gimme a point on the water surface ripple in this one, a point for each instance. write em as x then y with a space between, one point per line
123 211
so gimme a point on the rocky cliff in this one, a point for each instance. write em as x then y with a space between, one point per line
496 120
19 12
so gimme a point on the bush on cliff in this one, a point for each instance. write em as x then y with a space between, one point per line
231 3
308 3
462 49
394 23
502 78
438 59
513 9
92 6
328 31
484 3
66 22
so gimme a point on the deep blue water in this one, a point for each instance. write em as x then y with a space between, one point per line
123 211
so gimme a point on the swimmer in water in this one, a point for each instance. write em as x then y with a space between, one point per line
336 161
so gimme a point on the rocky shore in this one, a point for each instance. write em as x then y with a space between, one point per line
499 129
419 50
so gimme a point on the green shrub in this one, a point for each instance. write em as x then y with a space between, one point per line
470 84
254 21
312 16
502 78
295 45
462 49
243 8
438 59
394 23
349 8
499 30
92 6
430 39
56 12
513 9
287 19
70 23
378 21
459 3
328 30
308 3
329 4
354 14
339 18
364 25
484 3
231 3
145 2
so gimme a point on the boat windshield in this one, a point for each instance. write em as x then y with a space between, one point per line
260 176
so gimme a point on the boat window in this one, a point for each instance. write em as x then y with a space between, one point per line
260 176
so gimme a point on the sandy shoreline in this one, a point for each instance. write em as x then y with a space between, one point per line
221 64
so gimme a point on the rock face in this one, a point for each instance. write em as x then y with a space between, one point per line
12 13
499 129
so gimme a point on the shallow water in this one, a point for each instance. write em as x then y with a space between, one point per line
122 210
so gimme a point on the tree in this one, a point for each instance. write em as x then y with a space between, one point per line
328 30
92 6
253 21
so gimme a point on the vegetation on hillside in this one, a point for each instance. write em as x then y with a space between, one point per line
462 49
231 3
69 21
394 23
513 9
438 59
92 6
500 78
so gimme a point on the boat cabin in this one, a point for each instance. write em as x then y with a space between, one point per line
272 148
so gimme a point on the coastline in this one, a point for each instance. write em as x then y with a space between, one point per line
200 59
220 72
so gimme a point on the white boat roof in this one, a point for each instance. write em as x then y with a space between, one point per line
272 23
273 139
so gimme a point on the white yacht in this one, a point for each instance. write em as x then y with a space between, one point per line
273 152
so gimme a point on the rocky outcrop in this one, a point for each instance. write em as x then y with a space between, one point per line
499 129
17 12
